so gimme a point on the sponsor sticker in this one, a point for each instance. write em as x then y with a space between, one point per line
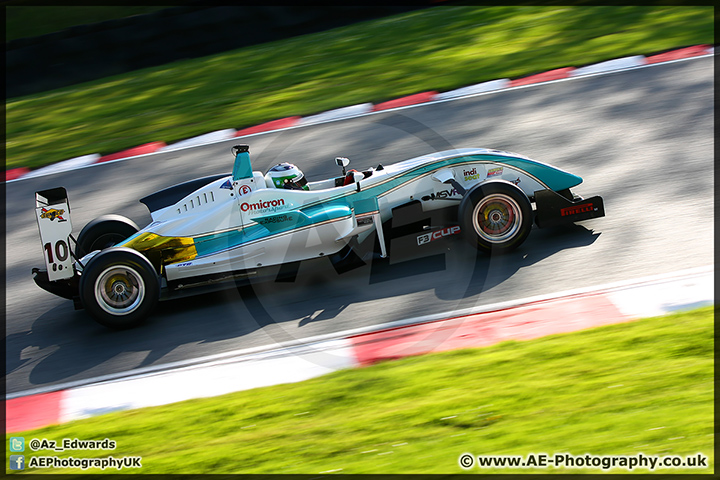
575 209
263 206
227 185
471 174
53 213
277 219
440 195
437 234
494 172
244 190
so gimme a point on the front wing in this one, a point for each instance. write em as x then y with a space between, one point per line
554 209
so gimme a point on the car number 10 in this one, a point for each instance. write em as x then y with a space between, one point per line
55 229
61 251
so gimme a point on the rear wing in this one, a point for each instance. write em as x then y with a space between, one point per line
52 211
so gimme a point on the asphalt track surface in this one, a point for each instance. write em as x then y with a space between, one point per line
641 138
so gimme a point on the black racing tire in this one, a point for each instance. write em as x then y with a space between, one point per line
495 217
119 288
104 232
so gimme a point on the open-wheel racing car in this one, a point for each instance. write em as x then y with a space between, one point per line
223 229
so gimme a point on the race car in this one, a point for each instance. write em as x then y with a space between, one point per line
216 231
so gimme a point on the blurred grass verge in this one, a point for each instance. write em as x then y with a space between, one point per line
645 386
441 49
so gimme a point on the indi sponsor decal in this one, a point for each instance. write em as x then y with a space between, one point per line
264 205
244 190
471 174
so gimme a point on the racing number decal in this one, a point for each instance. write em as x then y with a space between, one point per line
61 252
55 230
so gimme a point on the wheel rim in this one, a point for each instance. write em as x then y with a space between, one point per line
497 218
119 290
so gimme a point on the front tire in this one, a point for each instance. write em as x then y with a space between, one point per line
496 217
104 232
119 288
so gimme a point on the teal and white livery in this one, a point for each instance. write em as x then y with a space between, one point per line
216 231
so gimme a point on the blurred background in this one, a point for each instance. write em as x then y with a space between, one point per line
42 39
102 79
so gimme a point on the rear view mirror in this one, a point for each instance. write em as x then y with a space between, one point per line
342 162
443 176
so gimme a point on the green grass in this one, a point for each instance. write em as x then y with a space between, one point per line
30 21
644 386
434 49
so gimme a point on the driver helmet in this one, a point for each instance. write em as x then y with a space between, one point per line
286 175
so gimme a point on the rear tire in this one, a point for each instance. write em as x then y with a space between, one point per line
496 217
104 232
119 288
